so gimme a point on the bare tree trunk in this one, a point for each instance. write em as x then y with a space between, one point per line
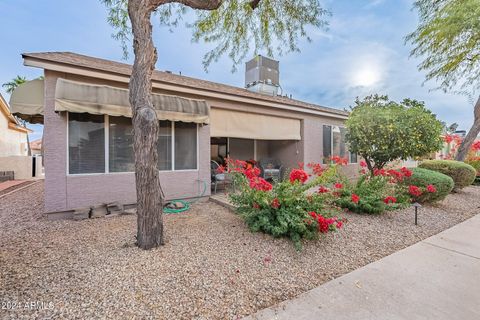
471 136
145 128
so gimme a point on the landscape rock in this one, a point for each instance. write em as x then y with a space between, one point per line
211 266
98 211
81 213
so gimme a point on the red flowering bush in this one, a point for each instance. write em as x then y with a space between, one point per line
390 199
252 172
323 189
285 208
298 175
339 160
326 224
355 198
260 184
275 203
338 185
452 144
377 192
317 168
395 175
414 191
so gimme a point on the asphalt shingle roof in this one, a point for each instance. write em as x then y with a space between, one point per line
87 62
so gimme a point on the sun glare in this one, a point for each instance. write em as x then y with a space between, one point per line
366 77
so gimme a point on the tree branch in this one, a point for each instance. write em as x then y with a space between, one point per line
194 4
254 4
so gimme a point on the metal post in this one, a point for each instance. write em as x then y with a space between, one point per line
416 205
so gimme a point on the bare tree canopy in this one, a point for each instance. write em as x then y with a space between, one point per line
237 27
448 38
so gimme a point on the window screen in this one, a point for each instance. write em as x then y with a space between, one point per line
353 158
339 148
327 143
164 147
86 143
185 146
242 149
121 156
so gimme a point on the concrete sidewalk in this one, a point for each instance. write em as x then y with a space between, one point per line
437 278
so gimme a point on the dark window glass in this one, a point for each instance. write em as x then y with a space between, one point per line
185 146
86 143
327 143
121 157
353 158
164 148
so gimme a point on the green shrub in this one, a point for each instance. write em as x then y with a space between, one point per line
423 177
371 194
462 174
411 130
475 163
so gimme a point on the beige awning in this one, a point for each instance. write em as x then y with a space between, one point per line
26 101
235 124
81 97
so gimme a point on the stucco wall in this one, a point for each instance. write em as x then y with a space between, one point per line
20 165
66 192
12 142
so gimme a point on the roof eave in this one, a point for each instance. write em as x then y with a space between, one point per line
47 64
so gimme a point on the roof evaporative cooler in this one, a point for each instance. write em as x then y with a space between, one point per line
262 75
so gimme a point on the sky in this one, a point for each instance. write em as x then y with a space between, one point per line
362 52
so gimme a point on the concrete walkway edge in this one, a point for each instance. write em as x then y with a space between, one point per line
437 278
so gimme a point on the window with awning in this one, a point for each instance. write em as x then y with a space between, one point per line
236 124
27 102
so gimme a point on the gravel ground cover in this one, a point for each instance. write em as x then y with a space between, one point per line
15 187
212 267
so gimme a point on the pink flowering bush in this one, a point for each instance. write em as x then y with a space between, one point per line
287 208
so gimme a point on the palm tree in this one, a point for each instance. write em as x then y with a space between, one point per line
12 85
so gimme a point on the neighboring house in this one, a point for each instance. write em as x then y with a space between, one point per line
13 136
36 147
14 160
88 134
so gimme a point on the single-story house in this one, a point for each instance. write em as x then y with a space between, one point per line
36 147
88 132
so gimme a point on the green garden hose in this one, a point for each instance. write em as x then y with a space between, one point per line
186 205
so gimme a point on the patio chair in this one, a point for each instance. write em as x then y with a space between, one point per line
219 178
271 169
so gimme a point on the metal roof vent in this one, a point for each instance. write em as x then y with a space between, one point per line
262 75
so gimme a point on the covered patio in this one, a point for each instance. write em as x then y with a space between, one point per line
269 142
